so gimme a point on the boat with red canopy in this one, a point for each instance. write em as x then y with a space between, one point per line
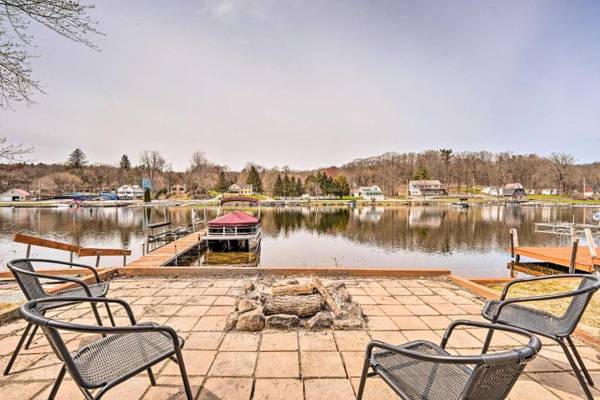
236 230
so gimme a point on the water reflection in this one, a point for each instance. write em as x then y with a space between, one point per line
468 241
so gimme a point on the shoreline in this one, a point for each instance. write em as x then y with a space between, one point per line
274 203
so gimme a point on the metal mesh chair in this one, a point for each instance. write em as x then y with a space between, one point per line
421 370
122 353
29 282
515 312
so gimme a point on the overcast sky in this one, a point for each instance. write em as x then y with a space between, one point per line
310 84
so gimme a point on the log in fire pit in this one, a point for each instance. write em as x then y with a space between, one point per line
307 303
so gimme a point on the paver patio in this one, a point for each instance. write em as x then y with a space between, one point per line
273 365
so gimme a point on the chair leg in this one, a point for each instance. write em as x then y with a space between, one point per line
576 370
151 376
57 382
488 340
110 316
184 377
96 314
31 336
17 350
580 361
363 379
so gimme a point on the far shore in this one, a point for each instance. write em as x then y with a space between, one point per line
471 200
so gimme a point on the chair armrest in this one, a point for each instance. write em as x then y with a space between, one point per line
534 343
451 359
72 300
26 311
538 278
60 279
529 299
68 263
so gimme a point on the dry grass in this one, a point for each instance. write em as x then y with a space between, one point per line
591 318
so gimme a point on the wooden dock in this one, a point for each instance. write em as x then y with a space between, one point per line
168 252
560 256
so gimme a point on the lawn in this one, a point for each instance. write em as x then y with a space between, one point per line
591 318
560 199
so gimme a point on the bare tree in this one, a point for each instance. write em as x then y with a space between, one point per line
67 18
561 166
12 152
153 163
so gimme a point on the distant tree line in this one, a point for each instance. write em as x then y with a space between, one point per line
391 171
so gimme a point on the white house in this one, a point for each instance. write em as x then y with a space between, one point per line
241 189
15 195
129 192
372 193
426 188
550 192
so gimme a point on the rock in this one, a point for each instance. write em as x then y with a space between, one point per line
251 321
247 286
231 321
351 311
245 305
348 324
282 321
321 320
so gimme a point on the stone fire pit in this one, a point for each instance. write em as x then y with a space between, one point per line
299 303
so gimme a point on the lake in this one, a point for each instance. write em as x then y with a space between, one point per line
469 242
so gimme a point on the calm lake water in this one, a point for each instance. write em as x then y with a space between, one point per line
470 242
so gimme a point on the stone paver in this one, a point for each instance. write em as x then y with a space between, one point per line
278 365
278 389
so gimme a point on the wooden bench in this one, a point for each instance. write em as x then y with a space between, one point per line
72 249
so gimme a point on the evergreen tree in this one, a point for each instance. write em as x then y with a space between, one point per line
147 198
286 185
222 183
341 186
421 173
278 186
124 164
254 180
77 159
299 187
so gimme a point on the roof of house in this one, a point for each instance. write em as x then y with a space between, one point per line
425 182
372 188
236 218
21 192
513 186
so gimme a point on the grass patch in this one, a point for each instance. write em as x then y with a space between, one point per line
560 199
591 318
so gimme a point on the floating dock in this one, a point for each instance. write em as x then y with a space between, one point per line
559 256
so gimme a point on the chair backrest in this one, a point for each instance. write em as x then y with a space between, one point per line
493 381
579 302
30 285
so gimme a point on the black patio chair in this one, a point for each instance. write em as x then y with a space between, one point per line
122 353
514 312
421 370
29 282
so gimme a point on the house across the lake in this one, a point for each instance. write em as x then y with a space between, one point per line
514 190
178 190
15 195
130 192
372 193
241 189
431 187
549 192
